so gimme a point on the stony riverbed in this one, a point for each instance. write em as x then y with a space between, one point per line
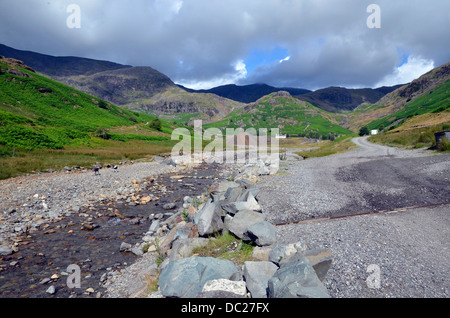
92 233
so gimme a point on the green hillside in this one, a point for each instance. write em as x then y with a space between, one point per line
45 125
426 94
292 116
436 101
37 112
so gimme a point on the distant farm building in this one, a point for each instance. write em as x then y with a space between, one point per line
374 132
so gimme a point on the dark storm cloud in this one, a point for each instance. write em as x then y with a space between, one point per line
207 42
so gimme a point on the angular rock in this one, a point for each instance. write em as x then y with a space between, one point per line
169 206
5 251
186 277
232 194
125 247
245 194
261 253
320 260
296 279
51 290
245 183
262 233
180 230
242 220
154 226
249 204
257 275
183 248
283 252
226 285
137 251
208 220
222 186
218 294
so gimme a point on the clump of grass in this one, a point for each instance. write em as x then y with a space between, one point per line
226 246
152 283
328 148
444 145
410 138
16 162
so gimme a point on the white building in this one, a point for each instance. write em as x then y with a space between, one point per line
374 132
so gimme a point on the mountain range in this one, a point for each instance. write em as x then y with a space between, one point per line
144 88
331 111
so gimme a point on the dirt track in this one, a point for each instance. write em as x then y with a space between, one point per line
409 245
372 178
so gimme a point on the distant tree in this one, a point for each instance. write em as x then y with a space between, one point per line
364 131
103 104
156 124
102 133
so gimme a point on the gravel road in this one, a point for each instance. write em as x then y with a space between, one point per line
407 249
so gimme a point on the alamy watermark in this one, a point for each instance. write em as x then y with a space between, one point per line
73 21
236 146
74 278
374 19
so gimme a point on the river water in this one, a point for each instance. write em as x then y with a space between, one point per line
48 252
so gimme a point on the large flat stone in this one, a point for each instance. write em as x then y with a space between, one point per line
186 277
296 279
257 275
242 220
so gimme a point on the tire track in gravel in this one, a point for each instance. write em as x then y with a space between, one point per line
372 178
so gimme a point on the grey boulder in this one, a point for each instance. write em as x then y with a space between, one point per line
257 275
186 277
209 219
262 233
283 252
241 221
296 279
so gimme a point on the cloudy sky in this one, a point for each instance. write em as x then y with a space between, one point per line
205 43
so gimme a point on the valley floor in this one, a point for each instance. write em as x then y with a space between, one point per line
406 250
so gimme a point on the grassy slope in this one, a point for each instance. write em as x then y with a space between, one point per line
437 100
417 121
415 132
50 128
295 117
383 114
328 148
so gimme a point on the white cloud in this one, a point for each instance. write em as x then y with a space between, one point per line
328 41
240 72
287 58
407 72
176 7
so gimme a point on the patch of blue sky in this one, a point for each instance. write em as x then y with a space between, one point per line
403 56
260 57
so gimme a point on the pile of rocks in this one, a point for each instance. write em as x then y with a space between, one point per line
277 270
